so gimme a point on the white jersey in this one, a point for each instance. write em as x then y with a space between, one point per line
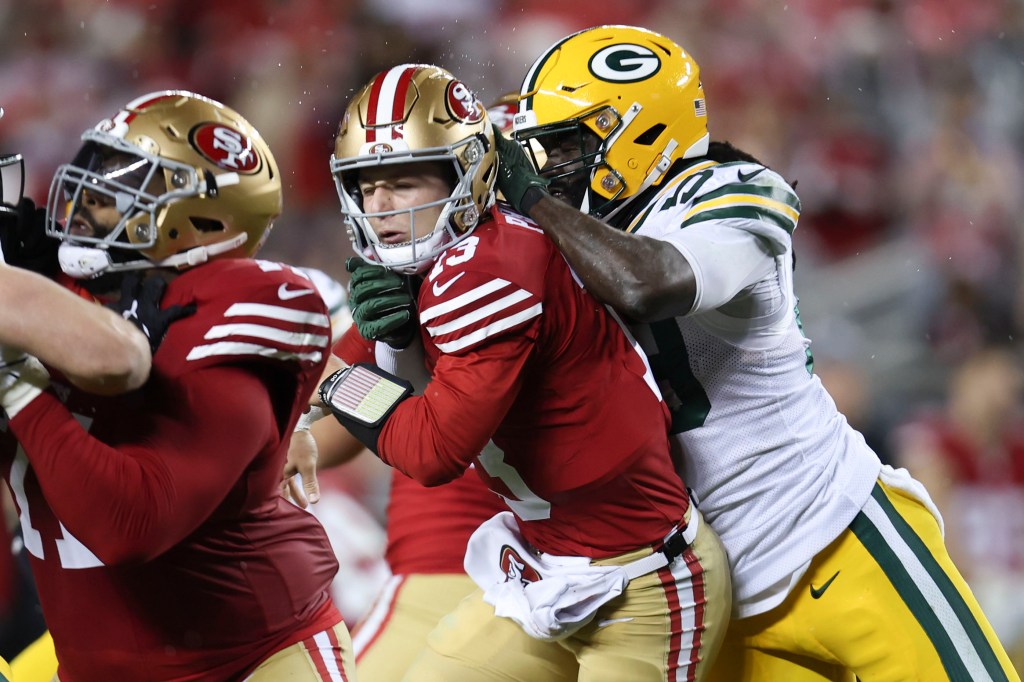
774 467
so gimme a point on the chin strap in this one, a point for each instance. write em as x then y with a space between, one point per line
89 262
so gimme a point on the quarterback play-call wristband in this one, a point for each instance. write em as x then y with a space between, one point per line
361 397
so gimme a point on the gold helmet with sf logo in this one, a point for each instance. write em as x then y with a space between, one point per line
416 113
628 99
172 180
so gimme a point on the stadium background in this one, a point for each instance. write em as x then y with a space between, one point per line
901 122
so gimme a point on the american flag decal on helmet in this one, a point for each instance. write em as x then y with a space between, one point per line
700 107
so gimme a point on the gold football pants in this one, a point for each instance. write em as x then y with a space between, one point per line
666 625
883 602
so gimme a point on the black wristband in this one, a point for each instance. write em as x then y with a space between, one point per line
362 397
531 196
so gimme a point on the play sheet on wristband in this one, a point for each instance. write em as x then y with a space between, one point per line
365 395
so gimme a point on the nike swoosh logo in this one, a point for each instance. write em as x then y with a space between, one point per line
441 288
747 177
816 592
612 621
286 294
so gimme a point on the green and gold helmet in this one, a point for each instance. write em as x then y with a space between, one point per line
632 97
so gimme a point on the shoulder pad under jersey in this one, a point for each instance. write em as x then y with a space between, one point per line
744 195
487 285
246 310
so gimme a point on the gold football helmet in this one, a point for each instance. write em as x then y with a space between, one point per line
634 101
12 179
189 178
407 114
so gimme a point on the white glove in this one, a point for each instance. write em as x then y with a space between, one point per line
22 378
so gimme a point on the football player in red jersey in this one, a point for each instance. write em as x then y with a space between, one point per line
112 356
159 544
427 528
602 558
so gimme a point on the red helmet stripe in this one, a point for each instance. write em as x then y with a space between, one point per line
387 103
371 109
136 105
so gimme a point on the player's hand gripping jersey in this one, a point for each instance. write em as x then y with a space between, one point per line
160 544
579 438
736 373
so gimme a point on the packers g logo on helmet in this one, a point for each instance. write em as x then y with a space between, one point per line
625 63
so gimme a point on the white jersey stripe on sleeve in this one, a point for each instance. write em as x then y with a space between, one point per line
276 312
236 348
478 314
461 300
490 330
260 331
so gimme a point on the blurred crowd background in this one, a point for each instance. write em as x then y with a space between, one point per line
901 123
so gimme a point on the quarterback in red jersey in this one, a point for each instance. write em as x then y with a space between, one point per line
602 557
159 544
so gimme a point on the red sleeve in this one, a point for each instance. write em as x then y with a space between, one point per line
433 438
353 348
134 501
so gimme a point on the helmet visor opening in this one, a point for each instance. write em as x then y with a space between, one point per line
103 189
569 153
402 208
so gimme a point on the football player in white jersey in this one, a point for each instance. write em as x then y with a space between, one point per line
839 567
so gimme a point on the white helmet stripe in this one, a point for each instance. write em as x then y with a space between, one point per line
387 104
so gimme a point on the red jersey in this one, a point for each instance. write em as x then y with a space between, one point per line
428 528
160 545
523 356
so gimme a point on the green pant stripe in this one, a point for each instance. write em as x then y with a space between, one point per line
945 585
911 595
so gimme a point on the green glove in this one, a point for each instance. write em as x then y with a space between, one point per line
382 303
516 175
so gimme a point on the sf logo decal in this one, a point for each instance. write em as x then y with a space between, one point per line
515 568
226 147
624 63
462 103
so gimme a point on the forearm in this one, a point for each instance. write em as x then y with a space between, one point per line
642 278
134 500
96 349
335 444
433 438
